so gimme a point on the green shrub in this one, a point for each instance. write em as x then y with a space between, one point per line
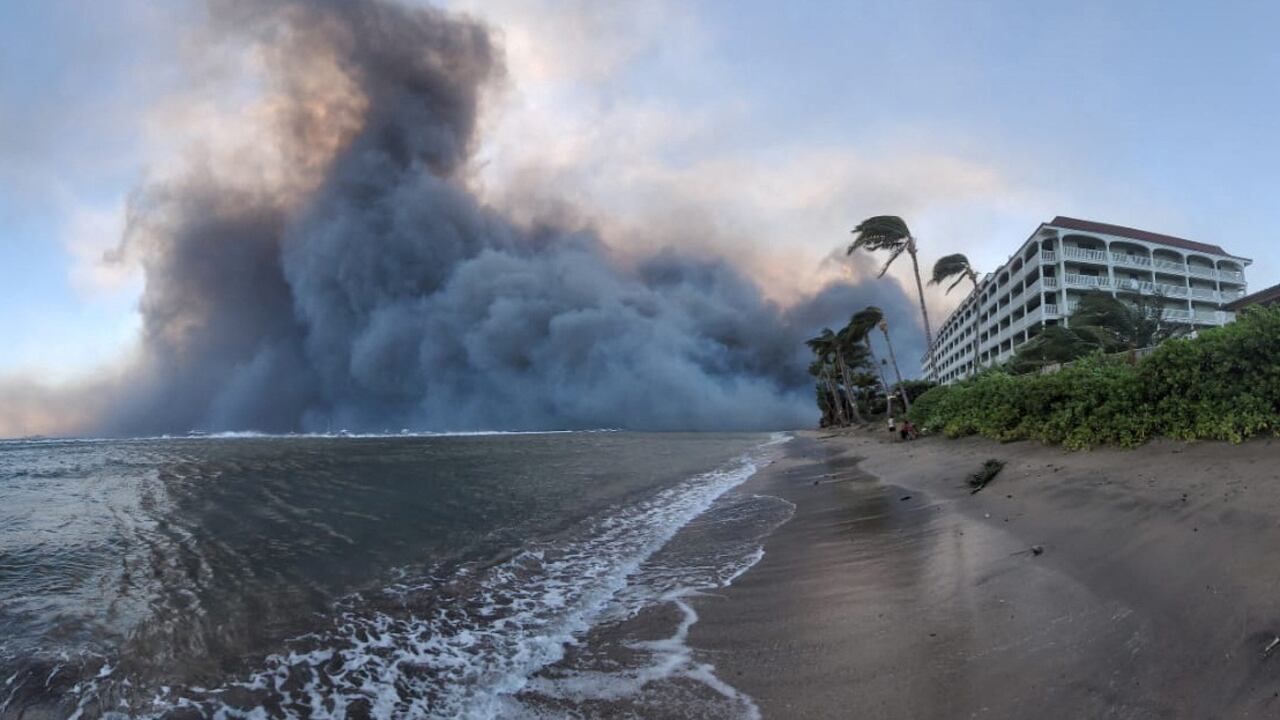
1222 385
923 407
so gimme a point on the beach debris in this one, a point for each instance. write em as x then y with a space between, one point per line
904 498
989 470
1036 550
1271 646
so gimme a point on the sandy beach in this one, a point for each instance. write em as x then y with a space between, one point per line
895 593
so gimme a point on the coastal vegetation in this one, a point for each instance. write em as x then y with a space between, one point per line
1100 323
1222 384
847 390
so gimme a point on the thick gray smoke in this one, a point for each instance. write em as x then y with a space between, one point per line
369 290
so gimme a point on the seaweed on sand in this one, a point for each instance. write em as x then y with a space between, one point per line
989 470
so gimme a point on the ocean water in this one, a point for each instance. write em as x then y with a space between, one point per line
482 576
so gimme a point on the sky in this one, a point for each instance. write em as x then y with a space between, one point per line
775 127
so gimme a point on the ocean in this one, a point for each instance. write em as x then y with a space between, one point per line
472 576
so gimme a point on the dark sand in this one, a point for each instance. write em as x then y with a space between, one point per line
1157 594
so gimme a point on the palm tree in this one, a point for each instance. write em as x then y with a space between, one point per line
884 328
1100 323
826 402
953 266
866 383
890 232
859 327
824 347
862 323
850 354
957 266
1115 325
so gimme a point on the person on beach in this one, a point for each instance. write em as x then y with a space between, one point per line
908 431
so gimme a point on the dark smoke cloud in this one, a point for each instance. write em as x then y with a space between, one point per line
368 289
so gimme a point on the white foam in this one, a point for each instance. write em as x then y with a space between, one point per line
669 658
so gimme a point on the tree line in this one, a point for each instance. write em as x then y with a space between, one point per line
847 388
852 383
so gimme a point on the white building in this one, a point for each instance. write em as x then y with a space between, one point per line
1041 283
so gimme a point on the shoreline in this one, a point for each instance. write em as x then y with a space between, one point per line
893 592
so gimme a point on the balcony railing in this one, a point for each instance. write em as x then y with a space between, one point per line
1088 281
1148 288
1103 256
1126 259
1071 253
1051 311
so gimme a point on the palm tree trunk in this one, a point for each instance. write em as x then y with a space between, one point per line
848 388
835 396
884 382
924 311
906 401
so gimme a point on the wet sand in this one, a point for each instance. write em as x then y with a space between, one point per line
895 593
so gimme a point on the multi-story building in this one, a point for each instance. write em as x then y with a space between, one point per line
1043 281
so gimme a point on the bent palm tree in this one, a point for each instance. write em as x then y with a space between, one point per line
890 232
859 327
953 266
850 354
846 355
826 401
824 347
957 266
862 324
884 328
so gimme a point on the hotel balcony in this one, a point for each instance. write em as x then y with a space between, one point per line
1103 257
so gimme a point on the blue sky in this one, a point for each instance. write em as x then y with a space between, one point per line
773 127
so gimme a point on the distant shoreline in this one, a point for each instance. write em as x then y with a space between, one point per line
895 593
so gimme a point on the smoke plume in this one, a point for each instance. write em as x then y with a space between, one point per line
343 276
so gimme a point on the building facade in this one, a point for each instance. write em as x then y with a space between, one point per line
1043 281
